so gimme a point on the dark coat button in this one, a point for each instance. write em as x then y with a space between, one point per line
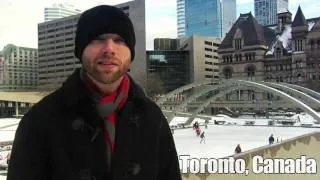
133 169
84 174
134 120
78 124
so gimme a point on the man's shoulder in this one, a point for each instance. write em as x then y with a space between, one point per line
153 112
41 114
47 105
150 104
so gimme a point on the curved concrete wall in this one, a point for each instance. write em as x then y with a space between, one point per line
308 145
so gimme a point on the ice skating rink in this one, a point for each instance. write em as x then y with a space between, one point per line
221 140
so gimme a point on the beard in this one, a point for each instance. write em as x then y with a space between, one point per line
109 77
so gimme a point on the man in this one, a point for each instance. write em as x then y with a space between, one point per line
8 157
202 138
238 149
99 125
271 139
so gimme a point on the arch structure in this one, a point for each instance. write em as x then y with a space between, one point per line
303 89
180 90
229 85
296 93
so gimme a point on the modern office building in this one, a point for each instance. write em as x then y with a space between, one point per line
18 68
165 44
204 62
61 10
167 70
181 18
205 18
1 68
266 11
194 60
229 15
56 46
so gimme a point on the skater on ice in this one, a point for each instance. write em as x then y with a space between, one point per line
202 138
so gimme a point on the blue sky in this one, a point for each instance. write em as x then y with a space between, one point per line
19 18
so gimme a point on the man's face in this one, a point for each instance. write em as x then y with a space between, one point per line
106 58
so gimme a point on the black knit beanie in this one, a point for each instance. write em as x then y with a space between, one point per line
103 19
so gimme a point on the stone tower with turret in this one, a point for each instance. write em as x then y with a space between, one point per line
299 42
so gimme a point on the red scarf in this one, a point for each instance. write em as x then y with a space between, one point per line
100 99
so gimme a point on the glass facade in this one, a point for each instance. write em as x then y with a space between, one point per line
229 15
167 70
162 44
265 11
181 20
203 18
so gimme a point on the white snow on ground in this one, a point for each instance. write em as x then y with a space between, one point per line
6 135
302 118
3 177
177 120
8 128
221 140
8 121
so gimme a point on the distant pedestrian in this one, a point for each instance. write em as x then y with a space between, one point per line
8 157
198 131
206 122
238 149
271 139
196 125
202 138
299 121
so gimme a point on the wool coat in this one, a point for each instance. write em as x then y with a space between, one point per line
61 138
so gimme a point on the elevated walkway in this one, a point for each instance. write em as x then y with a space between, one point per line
26 97
16 104
203 94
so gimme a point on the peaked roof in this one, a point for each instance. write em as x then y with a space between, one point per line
253 33
316 26
299 19
284 10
